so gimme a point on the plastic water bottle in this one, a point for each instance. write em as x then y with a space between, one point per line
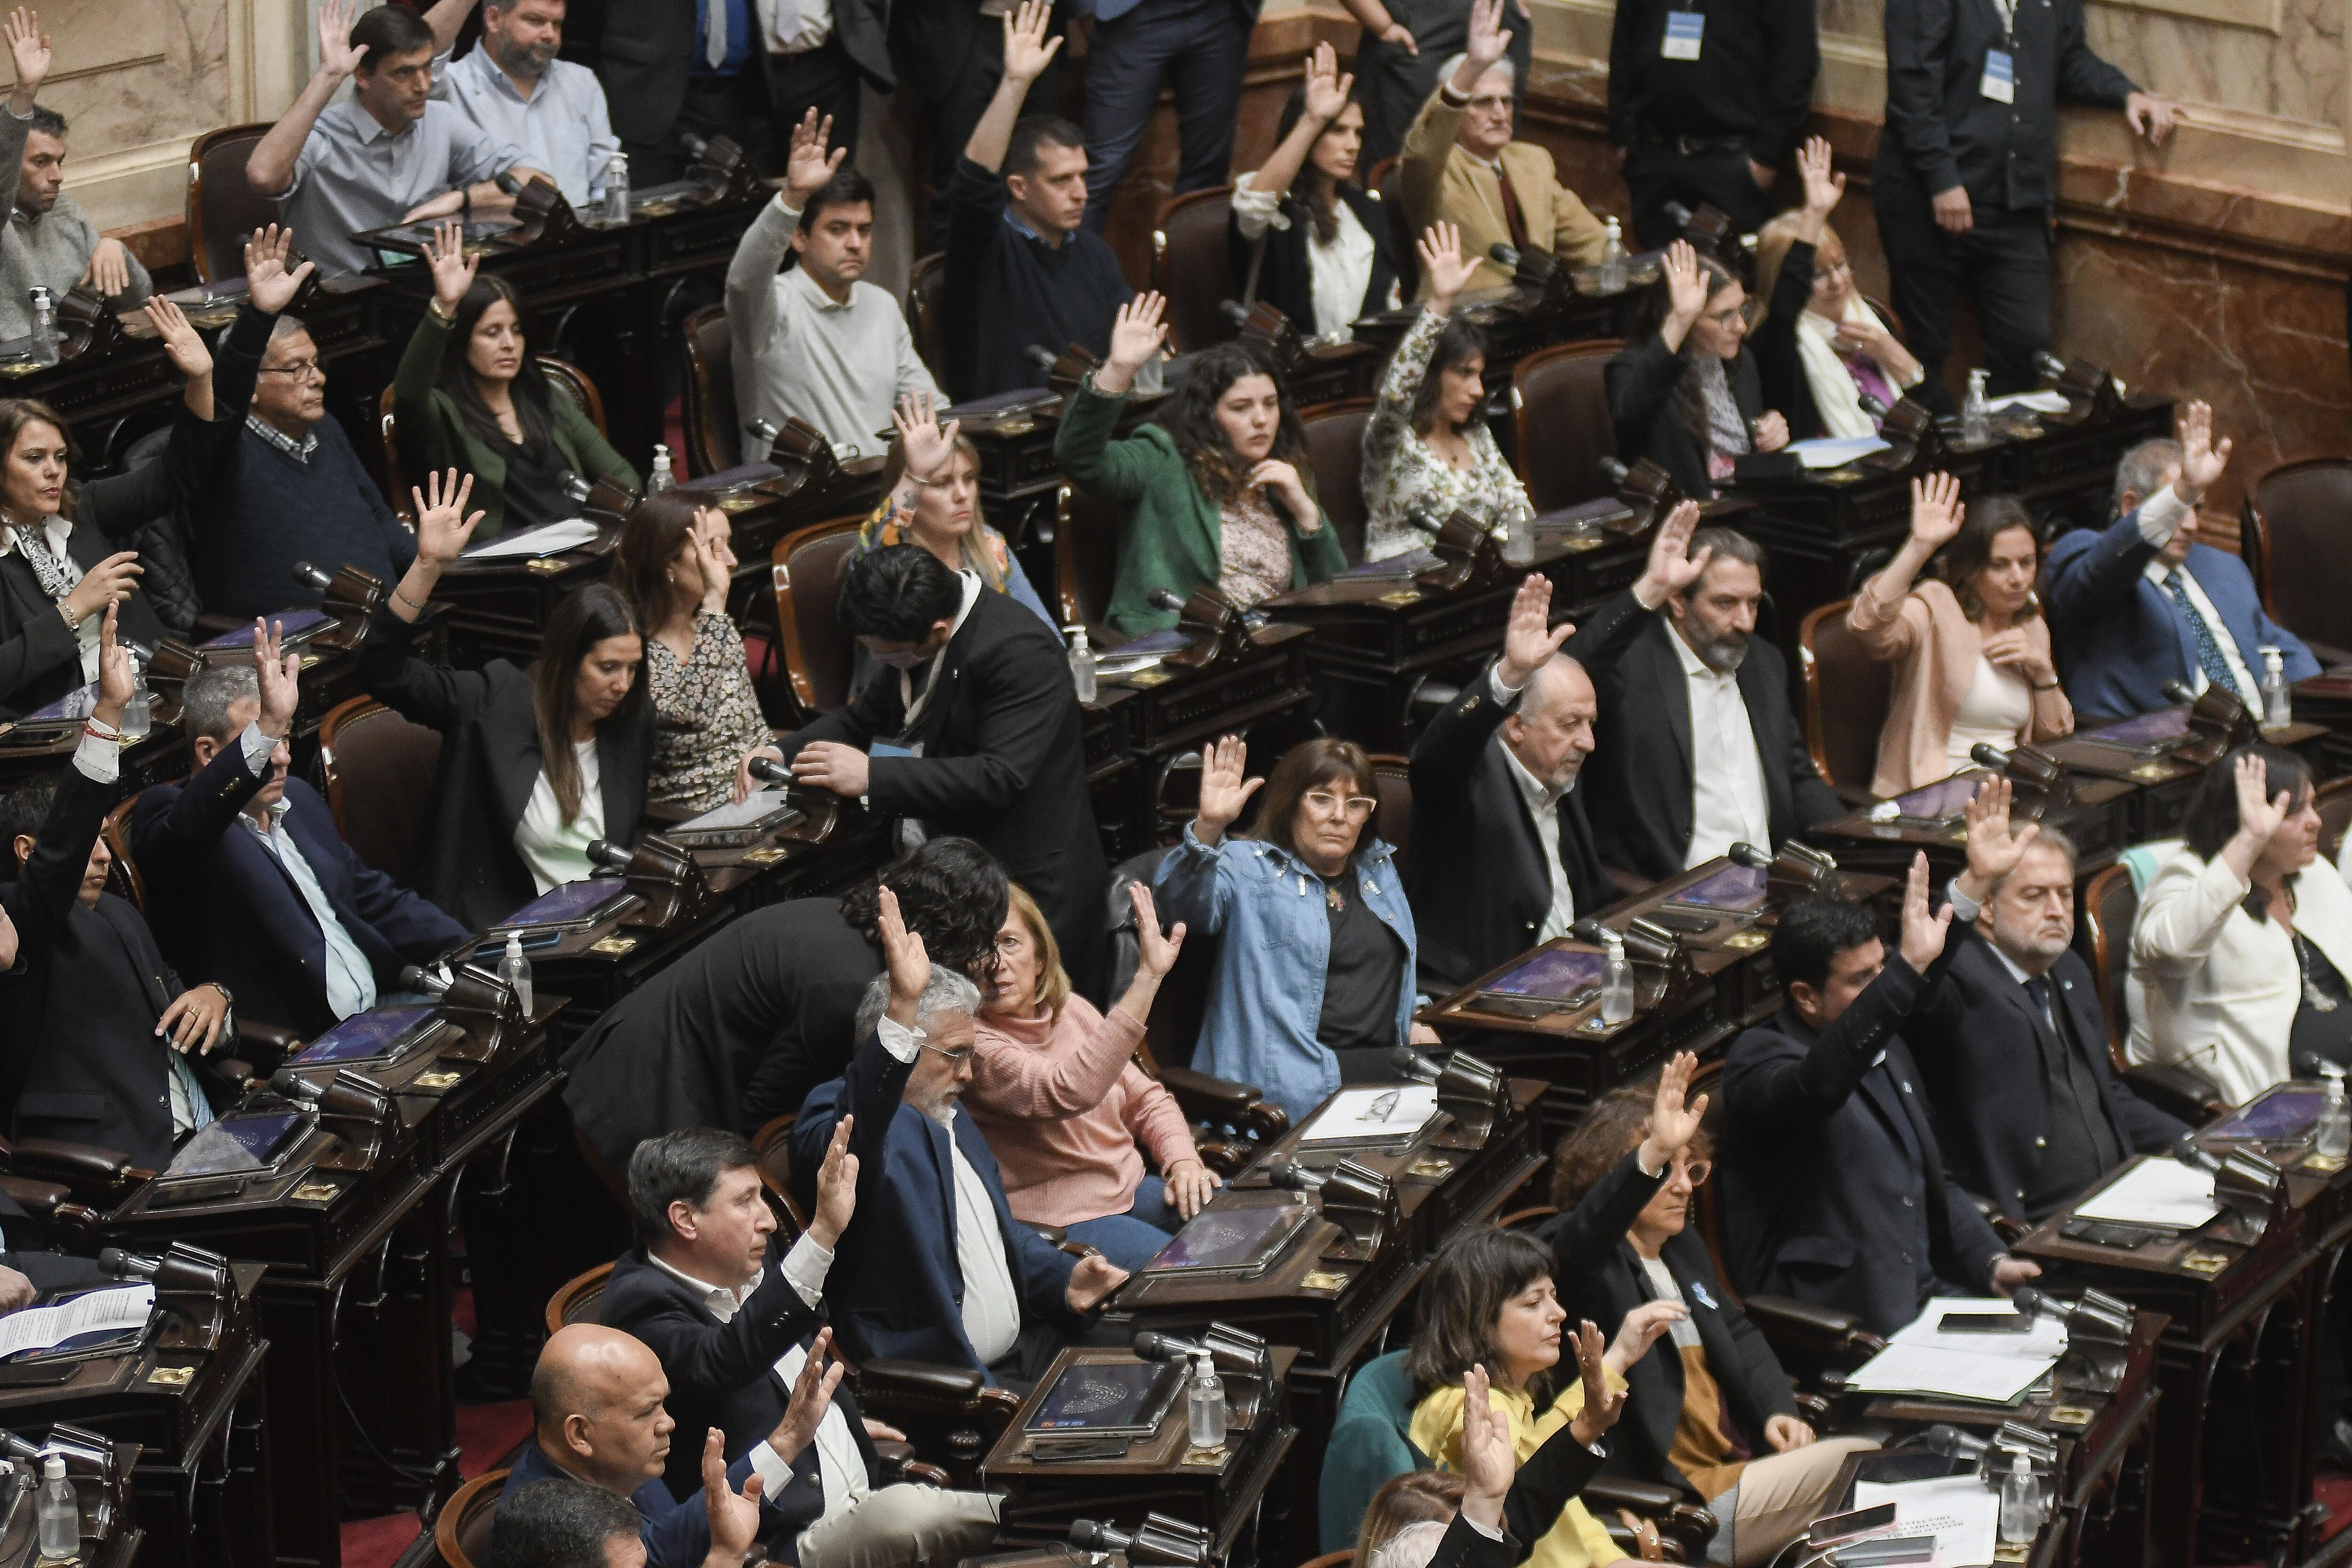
1082 664
1204 1403
660 478
2278 702
2020 1501
138 713
1520 540
1616 981
2332 1135
44 326
58 1512
514 971
1976 417
1612 259
616 190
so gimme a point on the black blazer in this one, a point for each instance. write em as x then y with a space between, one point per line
1831 1164
1779 368
1977 1030
1002 764
1552 1476
723 1374
1640 380
1285 278
1640 773
648 50
39 659
1479 888
490 760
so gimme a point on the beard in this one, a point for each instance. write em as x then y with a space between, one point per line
522 59
1725 654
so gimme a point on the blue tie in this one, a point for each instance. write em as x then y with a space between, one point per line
2209 651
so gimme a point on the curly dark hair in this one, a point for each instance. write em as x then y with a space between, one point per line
1471 1279
952 893
1189 417
1617 1121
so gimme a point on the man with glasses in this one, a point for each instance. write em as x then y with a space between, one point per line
1460 166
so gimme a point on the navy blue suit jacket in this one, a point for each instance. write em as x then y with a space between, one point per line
2120 638
225 909
676 1532
895 1290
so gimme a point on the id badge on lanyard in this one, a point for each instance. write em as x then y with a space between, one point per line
1999 83
1685 30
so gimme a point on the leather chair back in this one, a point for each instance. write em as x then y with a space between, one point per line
1086 558
773 1146
1847 695
1191 264
1335 437
124 879
1173 1030
926 285
2110 906
461 1531
379 770
2334 802
1383 184
1560 423
714 426
1392 819
388 428
568 380
2294 531
578 1299
222 207
807 567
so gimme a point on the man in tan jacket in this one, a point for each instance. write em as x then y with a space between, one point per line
1460 166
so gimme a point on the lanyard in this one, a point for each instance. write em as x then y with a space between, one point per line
2008 9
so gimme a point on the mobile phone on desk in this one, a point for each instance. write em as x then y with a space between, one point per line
1984 1323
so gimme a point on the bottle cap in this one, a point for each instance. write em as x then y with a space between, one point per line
514 945
53 1467
2019 1465
1204 1363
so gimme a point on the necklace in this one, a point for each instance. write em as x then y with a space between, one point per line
1333 898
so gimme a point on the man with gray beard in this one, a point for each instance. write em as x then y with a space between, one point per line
513 89
1696 748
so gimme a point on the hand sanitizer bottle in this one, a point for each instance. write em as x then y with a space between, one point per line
138 713
514 969
58 1513
2278 702
1612 259
2332 1136
44 326
1082 664
1976 417
616 190
1520 540
659 479
2020 1501
1204 1403
1616 979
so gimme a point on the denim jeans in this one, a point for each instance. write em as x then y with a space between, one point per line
1131 1238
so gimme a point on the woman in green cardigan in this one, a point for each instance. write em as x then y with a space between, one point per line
471 395
1216 489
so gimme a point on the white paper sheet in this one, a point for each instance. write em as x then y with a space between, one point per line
1834 451
1949 1374
2040 401
1961 1511
38 1328
547 539
2159 1192
2046 1339
760 803
1358 1113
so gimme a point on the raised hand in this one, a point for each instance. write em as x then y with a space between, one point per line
929 446
116 679
104 585
1327 90
442 525
836 1188
279 674
336 55
1923 933
267 281
1489 41
812 1397
2202 458
903 954
1673 1123
1158 955
1136 332
1936 510
182 344
808 167
1488 1459
1224 789
1027 50
1443 264
1823 187
1641 1330
1994 849
1602 1404
1686 287
29 48
734 1517
453 270
1094 1278
716 564
1529 639
1671 568
2260 813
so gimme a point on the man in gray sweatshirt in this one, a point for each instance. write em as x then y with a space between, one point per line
48 240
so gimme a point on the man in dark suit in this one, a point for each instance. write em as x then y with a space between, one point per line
935 1269
249 881
2141 603
1833 1186
730 1314
1503 854
981 726
2013 1041
104 1045
1696 748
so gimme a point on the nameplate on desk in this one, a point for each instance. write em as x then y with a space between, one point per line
1232 1240
613 946
1400 598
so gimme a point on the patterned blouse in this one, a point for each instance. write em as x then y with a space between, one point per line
1401 473
1257 553
706 715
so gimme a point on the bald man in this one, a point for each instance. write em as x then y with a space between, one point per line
597 1416
1503 857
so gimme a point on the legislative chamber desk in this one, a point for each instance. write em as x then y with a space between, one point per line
2101 817
1218 1490
188 1401
112 1533
1332 1292
2145 753
2239 1358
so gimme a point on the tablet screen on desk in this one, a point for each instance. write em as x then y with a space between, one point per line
573 904
1230 1240
364 1035
2148 729
2280 1115
1733 888
1116 1396
1553 974
291 623
240 1145
1939 801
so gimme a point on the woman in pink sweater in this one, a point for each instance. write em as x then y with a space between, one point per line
1064 1107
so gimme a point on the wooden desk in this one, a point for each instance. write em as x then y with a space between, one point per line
2103 822
2325 699
2070 466
498 607
2162 783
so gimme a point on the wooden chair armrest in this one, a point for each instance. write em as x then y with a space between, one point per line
1684 1527
80 1166
2181 1092
40 1199
1813 1333
1222 1102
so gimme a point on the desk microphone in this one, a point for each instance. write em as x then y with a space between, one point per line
2188 1151
1589 930
309 576
693 146
1615 472
1293 1177
1748 854
2180 691
2049 363
19 1449
1166 599
1871 405
417 977
1504 256
180 1268
290 1084
609 855
769 770
1040 356
1986 754
1414 1064
1152 1345
1677 215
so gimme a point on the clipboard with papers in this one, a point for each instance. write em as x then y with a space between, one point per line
1922 1359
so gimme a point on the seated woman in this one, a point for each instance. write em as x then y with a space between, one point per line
1308 991
2239 961
1686 393
470 394
1971 647
1821 347
1212 492
1313 241
1415 1496
1066 1113
673 564
1489 1301
1427 451
930 497
1693 1419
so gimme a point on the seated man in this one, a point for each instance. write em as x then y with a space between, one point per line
250 883
512 90
971 1287
1020 269
565 1523
730 1314
1696 747
597 1416
1834 1186
2014 1040
388 154
1503 857
2140 602
48 241
1460 166
104 1043
816 343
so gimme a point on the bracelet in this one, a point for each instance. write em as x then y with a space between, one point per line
406 600
100 730
72 621
447 318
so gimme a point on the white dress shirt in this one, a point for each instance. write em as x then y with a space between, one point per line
2159 519
992 1306
1728 805
1543 804
1339 273
562 127
350 978
55 533
794 26
556 851
840 1467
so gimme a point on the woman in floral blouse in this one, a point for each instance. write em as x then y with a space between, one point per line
673 564
1427 452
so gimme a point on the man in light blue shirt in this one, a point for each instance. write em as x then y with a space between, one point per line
512 89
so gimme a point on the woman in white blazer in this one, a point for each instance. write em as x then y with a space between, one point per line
2238 959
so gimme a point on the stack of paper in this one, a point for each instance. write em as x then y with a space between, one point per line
2162 1192
2040 401
1960 1511
1996 1369
1834 452
548 539
99 1313
1357 1115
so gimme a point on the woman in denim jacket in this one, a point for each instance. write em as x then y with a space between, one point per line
1314 983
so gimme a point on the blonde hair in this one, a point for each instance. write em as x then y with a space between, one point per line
1053 980
1772 242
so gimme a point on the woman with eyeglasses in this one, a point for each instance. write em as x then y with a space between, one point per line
1314 983
1686 394
1711 1415
1822 348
